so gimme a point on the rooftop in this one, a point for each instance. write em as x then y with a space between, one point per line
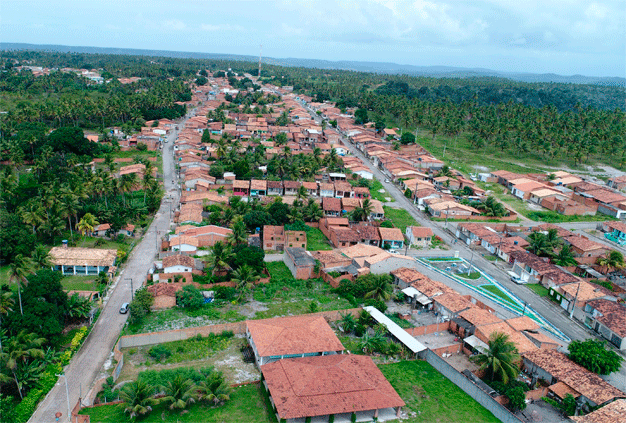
612 315
78 256
333 384
293 335
610 413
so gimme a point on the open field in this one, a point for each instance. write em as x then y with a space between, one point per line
316 240
375 191
400 218
428 393
247 404
538 289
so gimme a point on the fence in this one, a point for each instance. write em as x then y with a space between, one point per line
425 330
471 389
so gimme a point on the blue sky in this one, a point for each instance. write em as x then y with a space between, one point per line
564 36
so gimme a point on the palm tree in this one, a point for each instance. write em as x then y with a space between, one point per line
565 257
501 359
381 288
538 244
87 223
615 260
69 206
361 214
41 257
138 398
78 308
312 212
302 193
347 322
220 256
214 389
18 350
179 393
6 305
238 234
33 214
18 270
244 278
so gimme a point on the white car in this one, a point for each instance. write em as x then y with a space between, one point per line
393 251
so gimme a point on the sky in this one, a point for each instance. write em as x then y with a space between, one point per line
559 36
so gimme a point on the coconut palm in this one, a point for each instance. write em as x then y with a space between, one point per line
381 288
179 393
302 193
18 350
220 256
501 359
565 257
312 212
78 308
138 398
244 278
87 223
347 322
214 389
33 214
614 260
18 270
539 245
238 234
41 257
6 305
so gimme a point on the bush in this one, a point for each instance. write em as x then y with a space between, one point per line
593 355
380 305
190 297
159 352
386 224
515 391
313 307
225 293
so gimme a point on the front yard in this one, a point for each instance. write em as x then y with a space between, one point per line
400 218
431 397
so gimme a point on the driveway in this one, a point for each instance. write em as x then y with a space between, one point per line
88 361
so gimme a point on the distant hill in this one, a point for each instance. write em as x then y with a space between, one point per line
378 67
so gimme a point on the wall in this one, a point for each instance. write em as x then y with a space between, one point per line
484 399
334 282
425 330
450 349
537 394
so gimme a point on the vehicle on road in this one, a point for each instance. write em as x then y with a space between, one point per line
124 309
518 280
393 251
387 181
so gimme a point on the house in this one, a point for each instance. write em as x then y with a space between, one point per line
206 235
522 343
468 320
419 236
293 336
241 188
187 244
578 294
451 209
101 230
584 247
164 293
311 188
385 262
553 367
342 386
178 263
378 212
128 230
617 182
275 188
451 304
367 234
190 213
610 413
300 263
361 192
615 231
327 190
343 237
291 187
82 261
349 204
343 189
608 318
331 206
391 237
277 238
258 187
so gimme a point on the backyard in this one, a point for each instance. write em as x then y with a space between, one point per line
282 296
433 397
316 240
247 404
400 218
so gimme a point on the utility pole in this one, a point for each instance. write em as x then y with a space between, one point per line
67 396
571 314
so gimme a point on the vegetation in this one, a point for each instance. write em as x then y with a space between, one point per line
433 397
316 240
501 360
594 356
400 218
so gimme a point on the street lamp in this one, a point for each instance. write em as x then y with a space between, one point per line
67 395
471 260
131 288
525 305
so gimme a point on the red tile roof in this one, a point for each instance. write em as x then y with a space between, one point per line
293 335
333 384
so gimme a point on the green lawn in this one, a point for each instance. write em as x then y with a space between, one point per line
498 293
80 283
247 404
472 275
538 289
196 348
429 393
400 218
374 191
316 240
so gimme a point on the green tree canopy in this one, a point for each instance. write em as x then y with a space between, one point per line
594 356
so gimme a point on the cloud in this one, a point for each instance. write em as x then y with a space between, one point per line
175 25
221 27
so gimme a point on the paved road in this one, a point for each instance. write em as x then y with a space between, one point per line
88 362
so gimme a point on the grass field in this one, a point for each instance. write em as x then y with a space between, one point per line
498 293
247 404
538 289
316 240
429 393
400 218
375 191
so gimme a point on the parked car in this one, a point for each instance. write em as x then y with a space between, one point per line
124 309
393 251
517 280
387 181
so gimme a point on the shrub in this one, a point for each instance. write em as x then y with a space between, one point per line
190 297
594 356
228 334
99 242
313 307
159 352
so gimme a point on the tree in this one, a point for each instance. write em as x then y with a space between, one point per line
381 288
407 138
206 136
238 235
565 257
244 279
360 116
248 255
18 351
41 257
78 308
140 305
18 270
614 260
86 224
347 323
138 398
594 356
539 245
179 393
220 255
500 360
214 389
190 297
6 305
363 212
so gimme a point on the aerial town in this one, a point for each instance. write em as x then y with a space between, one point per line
236 249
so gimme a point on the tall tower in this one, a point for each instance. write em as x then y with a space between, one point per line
260 53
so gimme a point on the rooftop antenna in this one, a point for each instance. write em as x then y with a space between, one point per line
260 53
